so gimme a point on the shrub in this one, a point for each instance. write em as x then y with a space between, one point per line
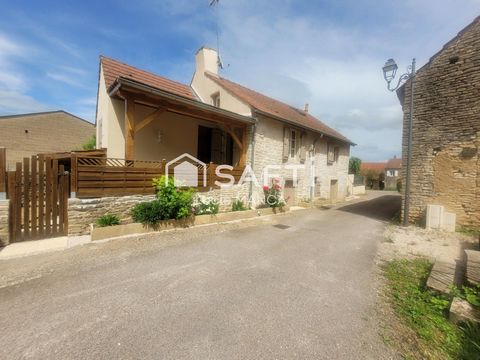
209 206
108 220
171 203
399 185
90 144
273 195
238 205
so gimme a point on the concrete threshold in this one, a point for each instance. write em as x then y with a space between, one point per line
34 247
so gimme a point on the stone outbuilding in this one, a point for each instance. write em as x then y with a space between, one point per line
446 130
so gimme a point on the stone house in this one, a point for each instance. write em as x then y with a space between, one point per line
393 169
445 167
143 116
45 132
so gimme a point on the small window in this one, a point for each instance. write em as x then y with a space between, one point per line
293 143
216 99
333 153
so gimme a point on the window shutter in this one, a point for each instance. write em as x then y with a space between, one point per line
286 143
303 151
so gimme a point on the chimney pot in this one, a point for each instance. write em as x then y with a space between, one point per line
306 108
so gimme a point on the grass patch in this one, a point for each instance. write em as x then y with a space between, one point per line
426 313
470 231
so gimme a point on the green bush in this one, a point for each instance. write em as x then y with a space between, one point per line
171 203
238 205
108 220
209 206
90 144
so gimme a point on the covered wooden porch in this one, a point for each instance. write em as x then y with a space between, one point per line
221 136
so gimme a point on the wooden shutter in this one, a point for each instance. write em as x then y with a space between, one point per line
303 150
286 143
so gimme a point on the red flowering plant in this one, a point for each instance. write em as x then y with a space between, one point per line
273 197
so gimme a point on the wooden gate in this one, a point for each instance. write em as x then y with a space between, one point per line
38 191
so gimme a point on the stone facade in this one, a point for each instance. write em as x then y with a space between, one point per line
446 130
4 204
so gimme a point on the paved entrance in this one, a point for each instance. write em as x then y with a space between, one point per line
303 289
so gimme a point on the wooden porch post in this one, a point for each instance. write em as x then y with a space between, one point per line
3 173
243 155
129 128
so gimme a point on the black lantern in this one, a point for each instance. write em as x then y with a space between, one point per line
389 70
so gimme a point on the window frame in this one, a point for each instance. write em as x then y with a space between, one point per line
292 150
216 99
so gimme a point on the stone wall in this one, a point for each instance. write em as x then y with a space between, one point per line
83 212
446 130
4 222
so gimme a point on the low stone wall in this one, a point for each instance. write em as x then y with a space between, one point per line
83 212
4 222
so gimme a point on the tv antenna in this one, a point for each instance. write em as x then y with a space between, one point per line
214 6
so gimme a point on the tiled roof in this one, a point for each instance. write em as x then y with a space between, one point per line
112 69
373 166
394 163
276 108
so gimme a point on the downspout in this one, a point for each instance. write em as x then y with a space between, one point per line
252 159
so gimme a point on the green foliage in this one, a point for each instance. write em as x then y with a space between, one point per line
90 144
425 312
272 194
399 185
470 231
472 295
354 165
171 203
238 205
108 220
208 206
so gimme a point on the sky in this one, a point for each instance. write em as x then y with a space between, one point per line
327 53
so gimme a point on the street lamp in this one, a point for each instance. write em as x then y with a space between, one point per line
389 71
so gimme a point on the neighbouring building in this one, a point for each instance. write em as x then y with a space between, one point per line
445 168
143 116
45 132
393 170
373 174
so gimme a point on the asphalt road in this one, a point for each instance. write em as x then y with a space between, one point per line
299 285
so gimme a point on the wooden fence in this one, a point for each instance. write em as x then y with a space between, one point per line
99 177
38 190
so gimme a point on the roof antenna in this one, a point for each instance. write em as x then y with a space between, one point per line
214 5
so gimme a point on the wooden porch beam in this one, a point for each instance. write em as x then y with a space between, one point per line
129 128
149 118
234 136
243 154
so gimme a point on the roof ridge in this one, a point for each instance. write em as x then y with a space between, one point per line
142 70
256 92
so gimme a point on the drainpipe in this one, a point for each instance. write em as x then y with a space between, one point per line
252 160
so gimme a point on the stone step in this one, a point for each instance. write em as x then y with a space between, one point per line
462 311
473 267
444 275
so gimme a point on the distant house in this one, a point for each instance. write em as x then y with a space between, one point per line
142 116
45 132
374 174
445 168
393 170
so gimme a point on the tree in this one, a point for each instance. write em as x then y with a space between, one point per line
354 165
90 144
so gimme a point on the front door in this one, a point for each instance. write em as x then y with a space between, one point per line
333 190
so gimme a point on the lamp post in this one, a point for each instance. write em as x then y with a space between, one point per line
389 71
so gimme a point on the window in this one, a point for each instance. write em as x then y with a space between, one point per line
216 99
293 143
333 153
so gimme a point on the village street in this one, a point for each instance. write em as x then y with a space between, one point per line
299 285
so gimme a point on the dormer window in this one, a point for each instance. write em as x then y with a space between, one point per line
216 99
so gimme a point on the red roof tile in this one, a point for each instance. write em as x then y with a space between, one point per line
276 108
394 163
373 166
112 69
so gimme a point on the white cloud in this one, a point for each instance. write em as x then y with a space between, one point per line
12 102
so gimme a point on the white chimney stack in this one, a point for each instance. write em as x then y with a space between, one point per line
305 109
206 59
